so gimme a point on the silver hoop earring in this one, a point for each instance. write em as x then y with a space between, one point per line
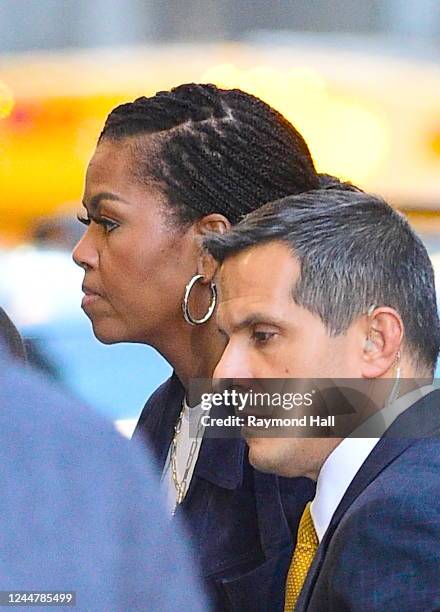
185 304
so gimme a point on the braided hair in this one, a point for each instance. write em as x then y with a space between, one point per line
213 150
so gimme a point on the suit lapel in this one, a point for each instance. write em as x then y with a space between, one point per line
421 420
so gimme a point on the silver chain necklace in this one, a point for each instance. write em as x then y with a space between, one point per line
181 487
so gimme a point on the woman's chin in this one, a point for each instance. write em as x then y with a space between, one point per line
111 330
106 332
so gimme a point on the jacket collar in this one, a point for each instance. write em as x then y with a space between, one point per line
220 459
166 403
421 420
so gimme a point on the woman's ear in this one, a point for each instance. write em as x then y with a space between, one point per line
214 223
207 266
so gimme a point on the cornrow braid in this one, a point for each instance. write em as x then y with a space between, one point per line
214 150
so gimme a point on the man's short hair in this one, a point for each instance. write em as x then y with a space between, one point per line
354 251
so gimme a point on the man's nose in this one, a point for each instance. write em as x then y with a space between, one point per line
234 363
85 253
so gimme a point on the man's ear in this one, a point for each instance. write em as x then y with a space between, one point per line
383 335
213 223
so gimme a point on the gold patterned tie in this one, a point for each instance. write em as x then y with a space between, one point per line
305 549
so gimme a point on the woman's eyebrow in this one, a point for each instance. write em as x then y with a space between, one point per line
95 201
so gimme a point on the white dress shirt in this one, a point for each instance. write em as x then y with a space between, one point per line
343 463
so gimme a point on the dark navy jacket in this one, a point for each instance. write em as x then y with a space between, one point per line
239 519
382 548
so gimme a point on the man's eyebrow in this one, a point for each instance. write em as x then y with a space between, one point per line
253 319
103 195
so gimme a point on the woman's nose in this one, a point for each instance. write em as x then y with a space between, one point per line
84 253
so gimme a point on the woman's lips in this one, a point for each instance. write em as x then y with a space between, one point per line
89 299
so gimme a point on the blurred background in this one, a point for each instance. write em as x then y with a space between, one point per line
360 80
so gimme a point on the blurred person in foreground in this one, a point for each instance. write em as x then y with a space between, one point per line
79 505
166 171
10 337
336 285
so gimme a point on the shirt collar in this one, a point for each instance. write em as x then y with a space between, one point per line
335 476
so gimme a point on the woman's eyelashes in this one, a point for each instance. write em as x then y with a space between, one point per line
104 222
83 220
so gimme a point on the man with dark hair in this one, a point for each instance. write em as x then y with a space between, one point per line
336 285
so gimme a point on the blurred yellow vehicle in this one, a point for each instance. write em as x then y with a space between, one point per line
369 118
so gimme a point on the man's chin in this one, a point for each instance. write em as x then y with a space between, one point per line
270 456
261 455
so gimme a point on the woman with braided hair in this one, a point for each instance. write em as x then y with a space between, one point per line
167 170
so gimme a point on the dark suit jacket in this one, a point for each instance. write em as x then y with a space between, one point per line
382 548
239 519
79 507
